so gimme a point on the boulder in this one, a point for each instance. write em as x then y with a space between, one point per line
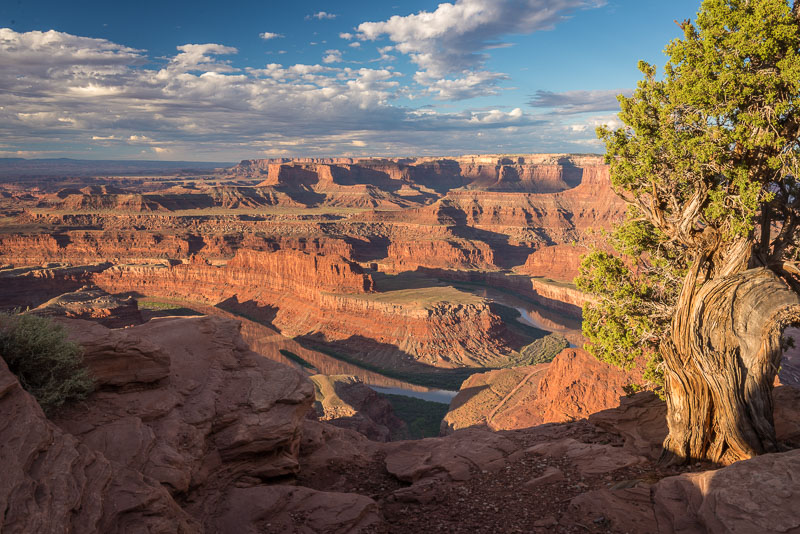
117 357
641 420
757 495
53 483
224 411
626 510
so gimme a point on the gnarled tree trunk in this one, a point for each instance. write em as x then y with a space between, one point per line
721 362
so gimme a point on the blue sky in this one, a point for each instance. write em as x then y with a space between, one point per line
222 81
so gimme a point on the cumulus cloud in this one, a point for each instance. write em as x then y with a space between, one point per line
384 53
332 56
470 85
321 15
578 101
497 116
269 35
59 91
452 39
200 57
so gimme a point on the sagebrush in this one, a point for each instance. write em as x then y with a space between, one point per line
47 364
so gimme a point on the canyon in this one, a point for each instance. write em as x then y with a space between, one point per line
244 325
377 260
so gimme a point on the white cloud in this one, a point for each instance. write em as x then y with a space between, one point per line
95 90
452 39
472 84
195 103
354 45
198 57
346 35
37 52
332 56
495 116
384 53
269 35
321 15
579 101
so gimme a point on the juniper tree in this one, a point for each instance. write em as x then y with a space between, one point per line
705 276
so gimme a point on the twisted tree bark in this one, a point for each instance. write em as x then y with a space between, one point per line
721 362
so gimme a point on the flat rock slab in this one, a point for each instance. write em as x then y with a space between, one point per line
293 510
624 510
589 458
550 476
453 457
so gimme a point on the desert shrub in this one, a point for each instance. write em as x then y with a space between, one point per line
47 365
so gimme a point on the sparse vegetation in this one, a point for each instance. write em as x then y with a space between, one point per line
422 417
163 308
541 351
47 365
424 296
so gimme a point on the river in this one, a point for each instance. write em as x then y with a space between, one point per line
535 315
270 343
443 396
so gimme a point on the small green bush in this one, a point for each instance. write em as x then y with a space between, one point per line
47 365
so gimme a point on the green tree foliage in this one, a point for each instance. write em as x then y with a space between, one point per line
47 365
707 162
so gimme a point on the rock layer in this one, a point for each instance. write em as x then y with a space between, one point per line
330 300
572 386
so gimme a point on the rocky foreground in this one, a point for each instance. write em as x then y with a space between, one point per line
190 431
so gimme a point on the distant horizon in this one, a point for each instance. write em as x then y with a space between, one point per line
301 157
